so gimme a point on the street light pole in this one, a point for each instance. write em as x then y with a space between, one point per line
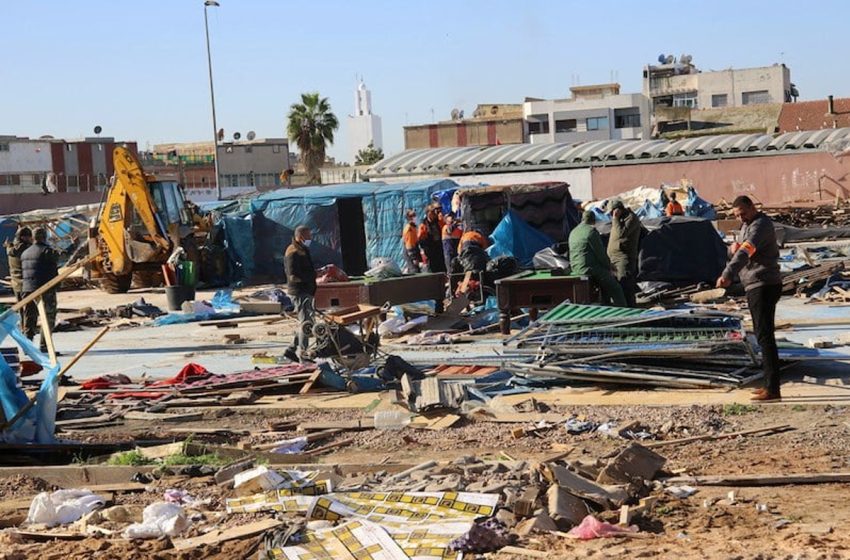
207 4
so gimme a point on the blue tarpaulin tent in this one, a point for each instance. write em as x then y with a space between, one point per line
514 237
352 223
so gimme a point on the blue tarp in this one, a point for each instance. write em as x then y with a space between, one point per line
37 425
276 214
514 237
383 213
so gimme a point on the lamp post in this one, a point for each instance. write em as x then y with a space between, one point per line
207 4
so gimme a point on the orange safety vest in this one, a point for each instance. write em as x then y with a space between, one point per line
474 237
674 209
454 233
409 236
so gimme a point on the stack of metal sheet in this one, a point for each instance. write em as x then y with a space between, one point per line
674 348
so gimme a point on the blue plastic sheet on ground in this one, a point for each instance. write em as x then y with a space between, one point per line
37 425
223 307
514 237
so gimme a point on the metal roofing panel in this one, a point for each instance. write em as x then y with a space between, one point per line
582 152
779 142
425 162
643 148
816 138
556 153
609 150
512 156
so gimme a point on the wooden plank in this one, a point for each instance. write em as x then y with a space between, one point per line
46 333
760 431
762 479
238 320
523 552
360 424
329 447
163 417
310 381
219 536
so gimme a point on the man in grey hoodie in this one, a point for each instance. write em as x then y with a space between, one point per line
756 261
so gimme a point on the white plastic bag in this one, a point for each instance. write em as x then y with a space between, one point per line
62 507
158 519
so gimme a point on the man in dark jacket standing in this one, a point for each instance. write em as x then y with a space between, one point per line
623 248
588 258
14 250
301 288
39 265
756 261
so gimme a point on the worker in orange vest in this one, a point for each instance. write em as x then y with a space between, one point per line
473 236
410 240
451 239
673 207
430 234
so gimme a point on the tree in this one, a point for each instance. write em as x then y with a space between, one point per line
311 125
369 155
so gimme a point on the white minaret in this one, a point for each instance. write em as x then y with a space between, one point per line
363 126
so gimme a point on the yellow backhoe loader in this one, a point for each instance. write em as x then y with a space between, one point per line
140 223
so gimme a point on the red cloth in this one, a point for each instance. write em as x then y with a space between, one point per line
105 382
191 372
592 528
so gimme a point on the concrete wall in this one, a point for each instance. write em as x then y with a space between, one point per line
17 203
464 133
238 162
25 157
734 83
805 178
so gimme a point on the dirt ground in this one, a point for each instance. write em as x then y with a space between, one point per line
781 522
763 522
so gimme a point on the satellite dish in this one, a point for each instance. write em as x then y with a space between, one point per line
661 58
460 114
251 135
98 129
670 59
236 136
455 113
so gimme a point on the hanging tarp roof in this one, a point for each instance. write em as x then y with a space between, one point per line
524 156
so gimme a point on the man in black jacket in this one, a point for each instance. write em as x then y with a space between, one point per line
756 261
301 288
39 265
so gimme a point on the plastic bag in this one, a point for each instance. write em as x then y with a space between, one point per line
62 507
383 267
158 519
331 273
592 528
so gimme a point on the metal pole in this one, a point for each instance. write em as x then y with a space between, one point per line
207 4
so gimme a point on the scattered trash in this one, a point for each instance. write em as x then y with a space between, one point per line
62 507
681 492
592 528
160 519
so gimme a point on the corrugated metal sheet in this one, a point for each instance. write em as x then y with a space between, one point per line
449 160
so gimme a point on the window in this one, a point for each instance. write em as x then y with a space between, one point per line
685 100
627 121
4 147
754 97
276 148
597 123
565 125
538 124
719 100
69 147
249 149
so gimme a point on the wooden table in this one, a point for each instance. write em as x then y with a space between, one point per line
396 291
540 289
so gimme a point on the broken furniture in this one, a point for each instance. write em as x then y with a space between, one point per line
540 289
396 291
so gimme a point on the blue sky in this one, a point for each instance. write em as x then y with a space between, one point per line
138 68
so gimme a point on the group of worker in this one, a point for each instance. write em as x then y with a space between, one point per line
32 264
613 270
436 241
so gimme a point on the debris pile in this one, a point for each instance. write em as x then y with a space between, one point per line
684 348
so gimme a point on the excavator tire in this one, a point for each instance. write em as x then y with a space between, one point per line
112 284
147 279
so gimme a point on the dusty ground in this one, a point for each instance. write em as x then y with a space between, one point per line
800 521
787 522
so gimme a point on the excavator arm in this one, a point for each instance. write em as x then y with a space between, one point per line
130 187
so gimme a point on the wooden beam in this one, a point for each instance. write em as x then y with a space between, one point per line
219 536
46 332
762 479
759 431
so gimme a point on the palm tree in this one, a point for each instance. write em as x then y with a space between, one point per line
311 125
